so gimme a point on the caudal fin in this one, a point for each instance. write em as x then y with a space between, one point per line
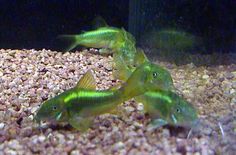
70 42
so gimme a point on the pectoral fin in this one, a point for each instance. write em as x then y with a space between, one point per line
157 123
80 123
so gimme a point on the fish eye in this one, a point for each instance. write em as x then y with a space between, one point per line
154 74
178 110
54 108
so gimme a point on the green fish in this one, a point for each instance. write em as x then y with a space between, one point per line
122 71
103 37
109 39
162 104
170 39
166 107
79 105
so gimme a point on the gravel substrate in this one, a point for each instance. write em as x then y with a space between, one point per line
29 77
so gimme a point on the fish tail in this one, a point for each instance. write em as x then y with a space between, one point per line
70 40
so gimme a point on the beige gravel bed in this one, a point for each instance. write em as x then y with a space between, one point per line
28 77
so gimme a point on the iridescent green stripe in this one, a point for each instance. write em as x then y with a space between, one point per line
87 94
70 97
101 31
158 95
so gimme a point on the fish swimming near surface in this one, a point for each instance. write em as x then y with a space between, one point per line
108 39
79 105
103 37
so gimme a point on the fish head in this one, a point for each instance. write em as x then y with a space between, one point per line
182 113
156 77
50 110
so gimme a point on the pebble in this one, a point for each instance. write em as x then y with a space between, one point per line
2 125
61 138
75 152
34 109
140 107
129 109
10 152
232 91
205 76
118 146
14 144
41 138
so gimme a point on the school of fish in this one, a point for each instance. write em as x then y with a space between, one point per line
143 80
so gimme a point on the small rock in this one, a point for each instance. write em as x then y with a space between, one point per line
129 109
118 146
2 125
61 138
232 91
229 75
26 131
166 133
11 152
205 76
14 144
41 139
140 107
34 109
75 152
138 125
70 136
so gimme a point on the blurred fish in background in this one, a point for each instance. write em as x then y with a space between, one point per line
170 43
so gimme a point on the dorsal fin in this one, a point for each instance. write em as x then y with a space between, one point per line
87 81
121 70
140 57
99 22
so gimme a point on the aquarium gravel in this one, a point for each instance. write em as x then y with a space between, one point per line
29 77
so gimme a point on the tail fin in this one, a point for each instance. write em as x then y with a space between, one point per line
121 72
70 41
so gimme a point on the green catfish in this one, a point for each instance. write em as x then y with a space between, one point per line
122 71
163 105
108 39
103 37
79 105
166 107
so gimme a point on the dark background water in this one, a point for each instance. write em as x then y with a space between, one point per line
36 24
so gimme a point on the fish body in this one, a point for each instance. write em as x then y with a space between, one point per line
79 105
122 71
170 40
109 39
162 104
104 37
166 107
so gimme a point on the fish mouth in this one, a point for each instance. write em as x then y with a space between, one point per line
43 117
186 123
